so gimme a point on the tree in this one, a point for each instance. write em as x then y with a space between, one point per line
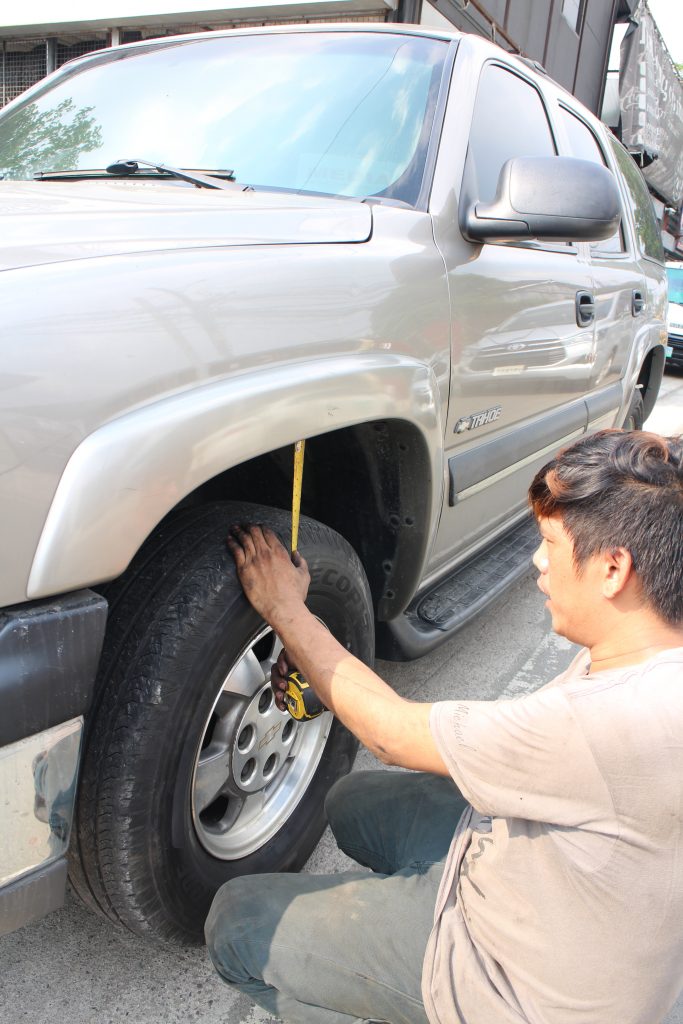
54 139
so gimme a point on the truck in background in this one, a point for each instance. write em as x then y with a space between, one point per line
674 273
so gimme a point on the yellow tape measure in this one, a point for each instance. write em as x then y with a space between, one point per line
300 700
296 490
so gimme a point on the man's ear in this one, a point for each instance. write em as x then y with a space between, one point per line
617 571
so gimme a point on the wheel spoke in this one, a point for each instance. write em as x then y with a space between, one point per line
252 808
230 816
268 662
213 771
246 677
225 704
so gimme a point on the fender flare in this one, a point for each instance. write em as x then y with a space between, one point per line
129 473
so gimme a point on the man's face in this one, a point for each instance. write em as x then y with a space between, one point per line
574 598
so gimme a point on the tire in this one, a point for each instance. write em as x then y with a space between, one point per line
191 775
635 417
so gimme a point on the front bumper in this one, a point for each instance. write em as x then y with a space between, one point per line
49 653
676 345
37 794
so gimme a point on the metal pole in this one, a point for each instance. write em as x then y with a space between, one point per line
50 55
409 11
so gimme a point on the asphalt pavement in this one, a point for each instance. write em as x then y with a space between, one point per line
74 966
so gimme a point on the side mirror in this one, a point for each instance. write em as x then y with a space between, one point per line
556 198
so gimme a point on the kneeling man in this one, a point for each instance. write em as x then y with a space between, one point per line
530 868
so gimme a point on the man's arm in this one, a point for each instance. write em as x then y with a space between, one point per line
395 730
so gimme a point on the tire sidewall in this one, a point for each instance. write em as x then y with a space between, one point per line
635 416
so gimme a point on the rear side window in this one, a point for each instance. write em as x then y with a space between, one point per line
647 228
584 145
509 121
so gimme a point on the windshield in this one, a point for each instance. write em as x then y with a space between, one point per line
336 112
675 275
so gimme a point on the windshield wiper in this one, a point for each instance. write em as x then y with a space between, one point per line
131 168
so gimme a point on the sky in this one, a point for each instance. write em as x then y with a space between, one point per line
669 17
667 13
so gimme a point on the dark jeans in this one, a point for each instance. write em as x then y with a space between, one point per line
338 949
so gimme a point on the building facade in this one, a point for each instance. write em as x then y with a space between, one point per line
570 38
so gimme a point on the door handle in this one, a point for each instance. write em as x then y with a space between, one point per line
585 308
637 302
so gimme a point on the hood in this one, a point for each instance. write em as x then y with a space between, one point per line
50 221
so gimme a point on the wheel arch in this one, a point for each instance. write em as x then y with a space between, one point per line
373 424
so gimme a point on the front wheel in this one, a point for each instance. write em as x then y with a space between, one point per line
191 773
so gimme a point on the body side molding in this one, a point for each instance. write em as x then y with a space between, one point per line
555 427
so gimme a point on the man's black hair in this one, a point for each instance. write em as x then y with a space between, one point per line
622 489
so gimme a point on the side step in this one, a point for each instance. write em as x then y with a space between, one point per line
440 612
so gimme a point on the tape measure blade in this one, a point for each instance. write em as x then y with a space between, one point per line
299 448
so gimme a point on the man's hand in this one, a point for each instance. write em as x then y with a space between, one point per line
278 678
275 582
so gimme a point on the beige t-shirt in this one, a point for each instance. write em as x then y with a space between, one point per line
562 897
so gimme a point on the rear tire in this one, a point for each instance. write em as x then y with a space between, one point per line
635 417
190 775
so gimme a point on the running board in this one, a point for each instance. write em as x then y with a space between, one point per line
447 606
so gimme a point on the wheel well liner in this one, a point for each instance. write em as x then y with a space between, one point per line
650 377
370 482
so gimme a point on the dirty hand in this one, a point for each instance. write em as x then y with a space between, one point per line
278 677
272 580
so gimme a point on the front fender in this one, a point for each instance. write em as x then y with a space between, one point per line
128 474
